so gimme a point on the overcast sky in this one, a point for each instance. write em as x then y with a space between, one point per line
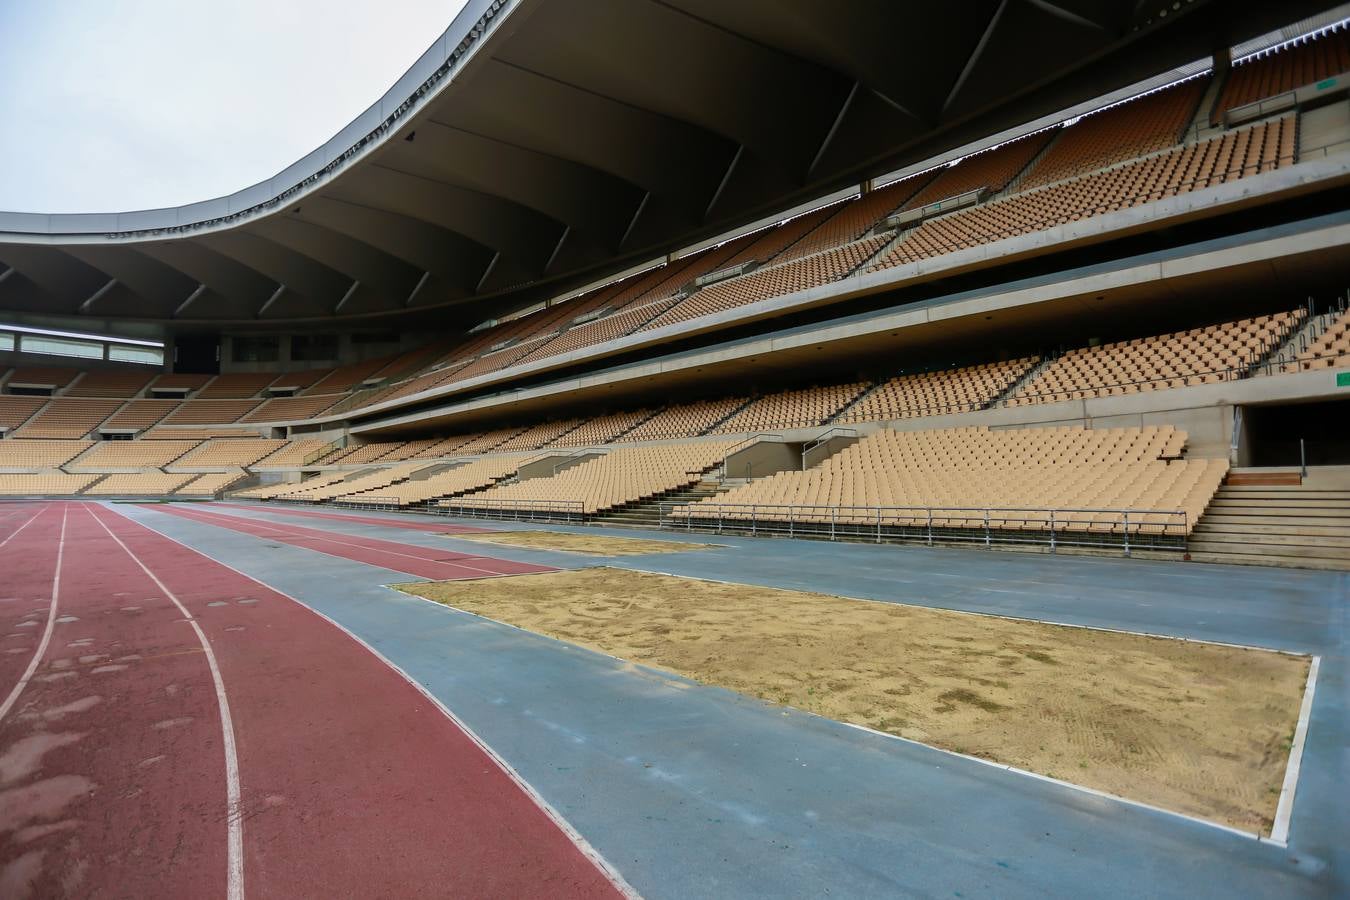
111 105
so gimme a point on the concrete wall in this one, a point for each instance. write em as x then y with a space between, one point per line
764 458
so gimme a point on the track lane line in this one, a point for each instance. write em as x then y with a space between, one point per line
606 869
15 532
51 621
234 813
297 537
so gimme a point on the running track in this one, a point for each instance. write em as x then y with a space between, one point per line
282 510
174 728
425 562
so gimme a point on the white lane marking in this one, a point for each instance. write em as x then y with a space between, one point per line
1284 810
51 622
599 861
234 813
205 519
21 528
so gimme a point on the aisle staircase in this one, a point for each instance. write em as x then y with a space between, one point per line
647 513
1256 520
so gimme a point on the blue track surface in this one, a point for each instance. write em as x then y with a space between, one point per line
693 791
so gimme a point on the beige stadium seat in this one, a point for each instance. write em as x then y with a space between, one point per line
624 475
1018 477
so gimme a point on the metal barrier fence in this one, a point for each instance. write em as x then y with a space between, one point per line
1124 529
565 511
368 502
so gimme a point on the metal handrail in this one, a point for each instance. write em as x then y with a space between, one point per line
1130 529
354 501
518 510
823 437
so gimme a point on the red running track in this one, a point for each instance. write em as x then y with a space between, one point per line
435 527
424 562
115 775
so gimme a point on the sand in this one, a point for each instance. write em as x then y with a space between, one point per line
592 544
1197 728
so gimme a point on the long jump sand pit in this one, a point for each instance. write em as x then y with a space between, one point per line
1197 728
571 542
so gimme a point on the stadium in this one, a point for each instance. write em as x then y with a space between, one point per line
670 448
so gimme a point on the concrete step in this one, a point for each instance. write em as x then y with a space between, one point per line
1250 549
1264 493
1270 517
1293 540
1208 525
1257 559
1284 506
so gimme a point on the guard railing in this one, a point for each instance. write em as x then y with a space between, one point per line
567 511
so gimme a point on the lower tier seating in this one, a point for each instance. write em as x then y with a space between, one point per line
1032 471
624 475
52 484
139 484
18 453
469 477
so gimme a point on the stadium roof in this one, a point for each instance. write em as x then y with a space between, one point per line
537 145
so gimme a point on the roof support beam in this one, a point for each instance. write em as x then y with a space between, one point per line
97 295
417 288
726 177
633 221
834 128
1055 9
975 54
9 270
347 296
201 289
557 248
276 295
477 288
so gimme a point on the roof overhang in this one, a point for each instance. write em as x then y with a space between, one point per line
537 145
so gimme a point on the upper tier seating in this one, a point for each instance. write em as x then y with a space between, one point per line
43 376
280 489
139 484
48 484
1125 131
1199 356
623 475
1235 155
602 429
111 384
798 275
965 471
291 409
66 417
181 380
685 419
14 411
236 385
297 381
294 453
1285 69
852 219
937 393
991 169
471 444
141 413
316 490
210 412
469 477
132 454
345 378
210 484
161 433
793 409
230 453
17 453
1331 350
537 436
359 453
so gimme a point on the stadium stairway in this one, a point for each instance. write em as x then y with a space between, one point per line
1298 525
647 513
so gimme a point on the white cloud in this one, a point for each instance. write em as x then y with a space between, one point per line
111 106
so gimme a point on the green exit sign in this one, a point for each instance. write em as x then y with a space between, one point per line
1343 379
1328 83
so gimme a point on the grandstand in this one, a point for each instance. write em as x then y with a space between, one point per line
739 292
